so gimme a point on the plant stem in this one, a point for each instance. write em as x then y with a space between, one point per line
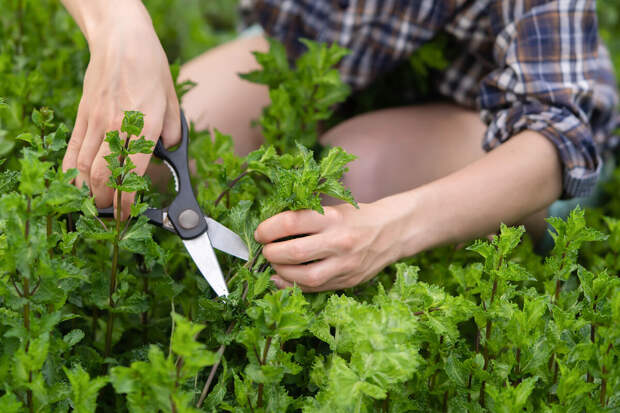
229 186
558 287
592 337
477 350
266 350
431 380
517 367
49 232
430 310
261 386
113 274
94 323
20 25
26 310
445 401
144 317
486 340
603 388
262 362
250 404
603 398
558 282
205 390
220 354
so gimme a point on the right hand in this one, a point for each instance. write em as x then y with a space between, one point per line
128 70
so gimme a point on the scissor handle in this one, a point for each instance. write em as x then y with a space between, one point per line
184 211
154 215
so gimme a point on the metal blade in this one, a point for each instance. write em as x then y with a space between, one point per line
226 240
221 237
203 255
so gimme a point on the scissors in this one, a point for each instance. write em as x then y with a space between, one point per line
199 233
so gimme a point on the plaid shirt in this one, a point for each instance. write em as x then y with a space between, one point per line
525 64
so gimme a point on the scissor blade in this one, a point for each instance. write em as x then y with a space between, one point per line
221 237
226 240
203 255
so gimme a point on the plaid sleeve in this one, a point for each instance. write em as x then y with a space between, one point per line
548 66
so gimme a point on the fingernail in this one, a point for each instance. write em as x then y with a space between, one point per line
276 281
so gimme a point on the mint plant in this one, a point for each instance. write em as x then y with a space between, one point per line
302 96
111 315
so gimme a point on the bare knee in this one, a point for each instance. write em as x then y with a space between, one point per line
402 148
221 99
363 177
536 225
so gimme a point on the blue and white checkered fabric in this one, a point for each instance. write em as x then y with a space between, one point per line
524 64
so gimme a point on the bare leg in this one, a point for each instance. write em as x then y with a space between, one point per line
221 99
403 148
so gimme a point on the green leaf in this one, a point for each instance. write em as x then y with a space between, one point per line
455 371
10 404
73 337
133 183
184 343
113 138
133 122
33 172
89 227
42 118
88 207
8 181
84 389
141 145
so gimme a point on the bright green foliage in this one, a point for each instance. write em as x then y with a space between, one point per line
300 97
161 383
112 315
84 390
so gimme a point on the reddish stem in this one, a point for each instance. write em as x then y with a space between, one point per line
229 187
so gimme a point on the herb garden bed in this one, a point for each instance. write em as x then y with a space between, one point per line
109 316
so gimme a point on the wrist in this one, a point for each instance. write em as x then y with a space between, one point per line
401 224
97 19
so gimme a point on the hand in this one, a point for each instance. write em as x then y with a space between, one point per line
128 70
341 249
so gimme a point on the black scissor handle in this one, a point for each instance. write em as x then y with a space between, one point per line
184 212
155 215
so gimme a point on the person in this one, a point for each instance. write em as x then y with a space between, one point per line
530 119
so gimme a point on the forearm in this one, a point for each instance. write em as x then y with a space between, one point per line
94 15
511 182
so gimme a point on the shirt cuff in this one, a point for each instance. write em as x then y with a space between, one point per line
581 162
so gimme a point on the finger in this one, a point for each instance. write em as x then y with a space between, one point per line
313 275
88 151
99 178
289 223
281 283
338 283
299 250
171 129
75 142
127 200
151 131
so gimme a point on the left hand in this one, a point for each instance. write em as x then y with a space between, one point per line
341 249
